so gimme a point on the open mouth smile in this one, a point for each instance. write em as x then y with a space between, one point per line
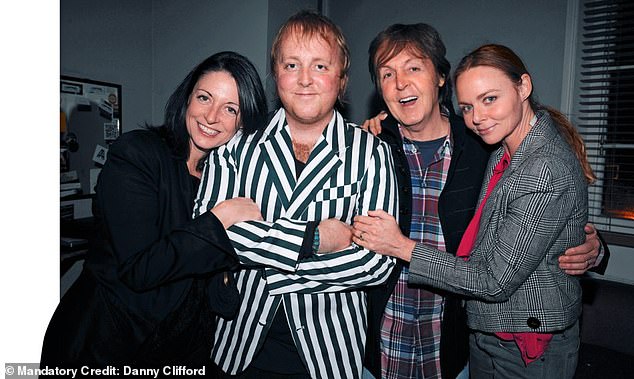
407 100
207 130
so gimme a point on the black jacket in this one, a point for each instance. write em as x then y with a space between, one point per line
148 269
456 207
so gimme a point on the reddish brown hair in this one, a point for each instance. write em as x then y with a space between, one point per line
505 60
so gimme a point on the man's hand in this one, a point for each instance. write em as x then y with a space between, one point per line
334 235
236 210
373 125
577 260
379 232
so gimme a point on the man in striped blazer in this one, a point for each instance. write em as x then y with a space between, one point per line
302 313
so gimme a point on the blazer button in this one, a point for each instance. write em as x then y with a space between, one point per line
533 323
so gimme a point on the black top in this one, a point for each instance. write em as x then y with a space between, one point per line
148 256
148 247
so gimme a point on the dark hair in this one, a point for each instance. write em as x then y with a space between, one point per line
253 107
504 59
420 39
307 24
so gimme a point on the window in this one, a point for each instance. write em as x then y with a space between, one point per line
605 113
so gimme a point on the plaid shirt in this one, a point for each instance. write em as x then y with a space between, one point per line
410 332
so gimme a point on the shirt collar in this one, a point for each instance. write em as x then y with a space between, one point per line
445 148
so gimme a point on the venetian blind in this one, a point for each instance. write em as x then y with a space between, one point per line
606 114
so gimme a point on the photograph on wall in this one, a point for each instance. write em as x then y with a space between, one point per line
90 120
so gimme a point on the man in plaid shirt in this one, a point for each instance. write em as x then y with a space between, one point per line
416 310
419 332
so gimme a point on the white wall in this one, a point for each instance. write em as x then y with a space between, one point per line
621 265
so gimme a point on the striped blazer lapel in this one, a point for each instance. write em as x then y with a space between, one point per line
322 164
278 155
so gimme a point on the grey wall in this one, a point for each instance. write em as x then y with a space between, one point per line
186 32
111 41
279 12
148 46
535 30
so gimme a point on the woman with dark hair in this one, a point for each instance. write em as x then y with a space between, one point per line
152 282
522 308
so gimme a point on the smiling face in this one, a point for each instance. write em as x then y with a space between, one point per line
213 112
493 106
308 74
409 85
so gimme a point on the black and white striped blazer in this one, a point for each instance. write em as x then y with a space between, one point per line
348 172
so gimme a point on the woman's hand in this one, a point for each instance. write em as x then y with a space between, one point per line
373 125
334 235
379 232
236 210
577 260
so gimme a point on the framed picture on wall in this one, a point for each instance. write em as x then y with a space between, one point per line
79 94
90 120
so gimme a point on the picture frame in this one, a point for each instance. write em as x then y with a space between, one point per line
80 93
90 120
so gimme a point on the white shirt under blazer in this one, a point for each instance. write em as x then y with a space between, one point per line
349 172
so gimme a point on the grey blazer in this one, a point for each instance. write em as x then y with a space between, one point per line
537 210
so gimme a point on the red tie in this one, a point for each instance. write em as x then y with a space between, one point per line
531 345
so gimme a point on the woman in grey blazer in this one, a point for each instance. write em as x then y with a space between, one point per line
524 309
